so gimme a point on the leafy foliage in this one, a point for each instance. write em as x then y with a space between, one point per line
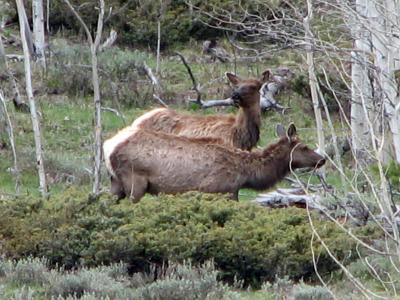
244 240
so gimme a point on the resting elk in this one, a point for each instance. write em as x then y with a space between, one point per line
240 131
155 162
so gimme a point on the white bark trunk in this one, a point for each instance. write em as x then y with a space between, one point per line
28 33
313 80
38 31
158 46
48 16
97 101
386 45
32 104
361 89
94 48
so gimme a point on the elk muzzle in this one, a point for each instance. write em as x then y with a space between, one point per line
236 97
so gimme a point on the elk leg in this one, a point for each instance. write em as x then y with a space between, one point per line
135 187
234 196
117 188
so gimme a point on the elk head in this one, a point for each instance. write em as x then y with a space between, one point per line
301 156
246 93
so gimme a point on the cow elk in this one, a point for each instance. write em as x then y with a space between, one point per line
155 162
240 131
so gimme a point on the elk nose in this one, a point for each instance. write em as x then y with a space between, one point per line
236 98
235 95
321 162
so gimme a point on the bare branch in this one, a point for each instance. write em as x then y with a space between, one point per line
195 85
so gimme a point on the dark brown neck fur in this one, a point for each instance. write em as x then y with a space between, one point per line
271 166
246 131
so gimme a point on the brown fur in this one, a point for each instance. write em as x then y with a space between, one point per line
156 162
242 131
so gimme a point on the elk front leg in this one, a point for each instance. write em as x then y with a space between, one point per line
117 188
234 196
135 187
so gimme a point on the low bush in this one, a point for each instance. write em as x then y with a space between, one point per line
308 292
246 241
28 271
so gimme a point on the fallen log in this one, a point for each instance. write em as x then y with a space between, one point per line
289 198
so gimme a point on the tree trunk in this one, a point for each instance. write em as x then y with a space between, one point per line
38 31
361 89
27 29
94 47
97 121
32 104
158 46
97 101
386 47
313 79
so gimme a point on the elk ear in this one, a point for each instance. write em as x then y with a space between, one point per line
265 76
291 132
280 130
233 78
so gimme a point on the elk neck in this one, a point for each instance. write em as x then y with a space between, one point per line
246 131
268 166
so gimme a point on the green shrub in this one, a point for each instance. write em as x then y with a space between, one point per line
245 240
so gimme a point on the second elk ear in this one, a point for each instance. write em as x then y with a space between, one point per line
292 131
265 76
280 130
234 79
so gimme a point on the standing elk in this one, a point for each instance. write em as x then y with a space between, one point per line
155 162
240 131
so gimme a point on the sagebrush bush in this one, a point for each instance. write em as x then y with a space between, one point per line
28 271
69 71
245 240
182 281
97 282
24 293
308 292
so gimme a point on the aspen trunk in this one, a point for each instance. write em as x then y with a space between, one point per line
361 88
158 45
97 121
97 101
313 79
38 31
94 48
386 47
32 104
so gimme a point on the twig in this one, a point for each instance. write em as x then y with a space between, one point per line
113 111
160 100
12 142
153 78
195 86
214 103
110 41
